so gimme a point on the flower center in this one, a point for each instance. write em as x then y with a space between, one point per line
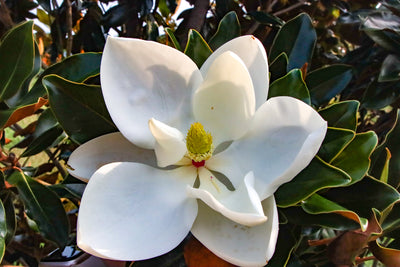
199 144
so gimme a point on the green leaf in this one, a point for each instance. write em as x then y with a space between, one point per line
391 221
292 84
228 28
284 247
171 35
354 159
325 83
17 59
76 68
335 140
342 114
317 204
379 95
11 220
46 133
266 18
390 70
43 206
363 196
278 67
197 48
316 176
297 39
391 142
3 231
79 108
44 17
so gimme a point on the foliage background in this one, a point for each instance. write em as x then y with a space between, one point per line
341 57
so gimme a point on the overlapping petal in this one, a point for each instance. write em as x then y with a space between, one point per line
241 205
252 53
141 80
225 102
131 211
285 135
235 243
113 147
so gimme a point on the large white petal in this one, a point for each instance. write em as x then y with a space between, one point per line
143 79
241 205
130 211
235 243
284 137
113 147
225 102
252 53
170 144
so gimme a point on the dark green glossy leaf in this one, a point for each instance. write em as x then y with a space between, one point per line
43 206
17 59
325 83
391 221
379 95
298 216
45 4
79 108
46 133
390 70
335 140
384 29
197 48
76 68
342 114
392 142
3 231
11 219
266 18
317 204
292 84
354 159
316 176
361 197
297 39
284 247
278 67
228 28
173 38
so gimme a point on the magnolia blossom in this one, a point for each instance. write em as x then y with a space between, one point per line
199 150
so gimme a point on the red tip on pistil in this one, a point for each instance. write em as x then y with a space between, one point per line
198 164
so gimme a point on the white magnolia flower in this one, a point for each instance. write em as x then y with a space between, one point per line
178 123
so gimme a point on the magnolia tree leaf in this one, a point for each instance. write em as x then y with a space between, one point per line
388 256
391 220
197 48
355 157
298 216
390 70
317 204
46 133
228 28
363 196
334 142
266 18
171 35
278 67
391 142
297 39
11 220
3 231
292 84
379 95
325 83
342 114
43 206
17 59
284 247
316 176
76 68
79 108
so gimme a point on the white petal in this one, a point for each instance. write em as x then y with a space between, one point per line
284 137
170 144
225 102
113 147
252 53
235 243
143 79
130 211
241 205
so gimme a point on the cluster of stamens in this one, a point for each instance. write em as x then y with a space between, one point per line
199 144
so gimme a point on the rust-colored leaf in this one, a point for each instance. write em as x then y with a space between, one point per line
304 70
197 255
25 111
389 257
